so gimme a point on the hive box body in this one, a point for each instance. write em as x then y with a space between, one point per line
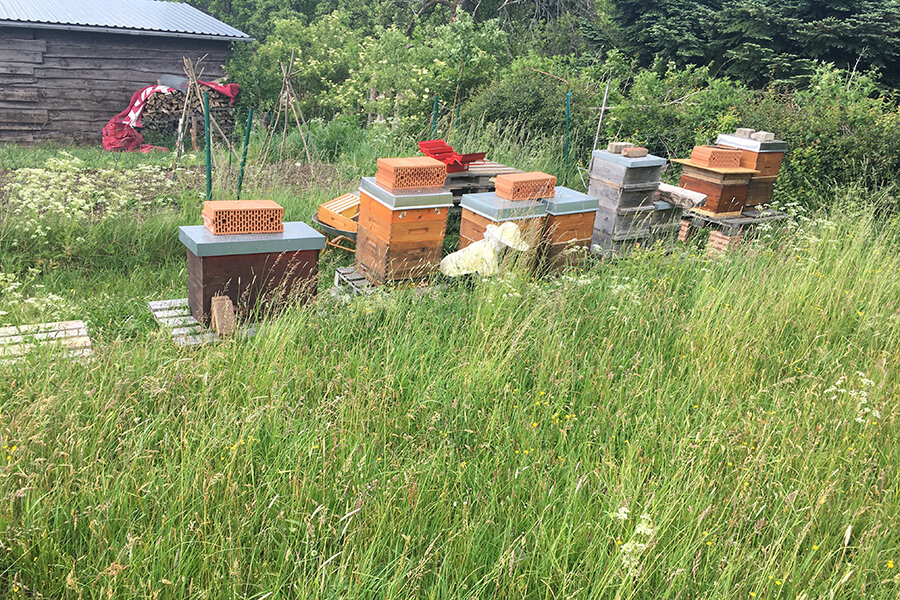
532 185
720 197
472 227
383 262
399 236
760 190
631 222
570 224
403 225
230 217
614 197
622 171
413 173
252 270
481 210
264 280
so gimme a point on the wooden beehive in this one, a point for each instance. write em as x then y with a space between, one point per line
760 190
725 187
416 173
712 156
231 217
472 227
404 225
382 262
341 212
533 185
254 271
763 156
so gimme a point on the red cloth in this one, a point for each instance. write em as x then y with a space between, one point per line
120 133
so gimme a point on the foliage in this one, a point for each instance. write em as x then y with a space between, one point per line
51 204
758 41
659 427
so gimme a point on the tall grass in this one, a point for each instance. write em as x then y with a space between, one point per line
478 441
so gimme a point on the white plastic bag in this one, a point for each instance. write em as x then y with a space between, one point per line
483 256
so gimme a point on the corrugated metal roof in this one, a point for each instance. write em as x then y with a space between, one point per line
129 16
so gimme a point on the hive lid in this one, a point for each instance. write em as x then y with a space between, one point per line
404 201
645 161
734 141
720 170
296 236
490 206
568 201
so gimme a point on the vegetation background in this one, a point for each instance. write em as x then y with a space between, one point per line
662 426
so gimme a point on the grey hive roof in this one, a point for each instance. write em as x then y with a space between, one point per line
150 17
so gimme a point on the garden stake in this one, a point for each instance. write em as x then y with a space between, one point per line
244 153
208 146
434 117
568 119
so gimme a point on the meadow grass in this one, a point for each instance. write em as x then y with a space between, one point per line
663 426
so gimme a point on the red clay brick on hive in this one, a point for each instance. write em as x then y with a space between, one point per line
533 185
414 173
711 156
635 152
229 217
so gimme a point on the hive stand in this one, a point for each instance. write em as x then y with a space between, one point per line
68 339
728 230
175 317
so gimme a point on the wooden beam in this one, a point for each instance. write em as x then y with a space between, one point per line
19 95
29 45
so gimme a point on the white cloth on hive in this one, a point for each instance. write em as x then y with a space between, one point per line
483 256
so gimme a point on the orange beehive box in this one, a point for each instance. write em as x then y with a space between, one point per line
414 173
408 225
340 212
711 156
230 217
533 185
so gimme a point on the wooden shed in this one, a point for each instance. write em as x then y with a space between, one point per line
67 67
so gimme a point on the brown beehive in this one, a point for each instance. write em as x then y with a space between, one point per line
414 173
711 156
760 190
230 217
533 185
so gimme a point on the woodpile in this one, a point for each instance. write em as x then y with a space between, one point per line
162 112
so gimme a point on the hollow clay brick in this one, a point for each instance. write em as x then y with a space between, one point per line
230 217
710 156
414 173
533 185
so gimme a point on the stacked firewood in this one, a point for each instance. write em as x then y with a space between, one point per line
162 112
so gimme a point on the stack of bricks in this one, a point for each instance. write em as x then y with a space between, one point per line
402 219
761 152
569 227
244 250
720 241
518 197
625 178
717 172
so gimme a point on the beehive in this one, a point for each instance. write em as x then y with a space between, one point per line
725 187
627 173
711 156
254 270
760 190
416 173
481 210
533 185
570 225
399 236
234 217
765 157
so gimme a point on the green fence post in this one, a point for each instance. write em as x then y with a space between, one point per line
568 120
208 146
244 153
434 118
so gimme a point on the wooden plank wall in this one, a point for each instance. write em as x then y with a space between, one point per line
66 85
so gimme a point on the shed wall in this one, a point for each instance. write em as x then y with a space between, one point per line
66 85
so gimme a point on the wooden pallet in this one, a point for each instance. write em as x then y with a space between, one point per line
67 338
348 281
175 317
747 219
479 174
